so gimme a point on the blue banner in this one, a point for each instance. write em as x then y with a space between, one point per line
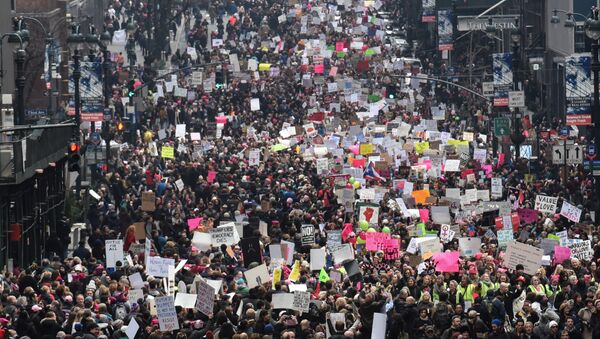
445 30
428 11
503 78
579 86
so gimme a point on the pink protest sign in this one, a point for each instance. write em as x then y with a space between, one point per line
193 223
528 215
424 214
211 176
391 249
561 254
446 261
376 240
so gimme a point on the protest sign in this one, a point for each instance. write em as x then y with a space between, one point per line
167 152
148 201
135 280
282 300
441 214
391 249
202 241
446 261
308 234
334 240
496 187
167 316
369 213
504 237
469 246
251 250
318 258
343 253
225 234
114 252
375 240
528 215
379 325
132 328
570 212
446 234
545 204
301 301
186 300
159 267
257 276
581 250
528 256
206 297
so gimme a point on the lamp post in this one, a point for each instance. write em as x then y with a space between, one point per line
517 136
592 30
21 28
20 76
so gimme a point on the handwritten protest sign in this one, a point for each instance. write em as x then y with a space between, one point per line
545 204
582 250
375 240
114 252
504 237
301 301
206 297
148 201
257 276
570 212
226 234
167 316
159 267
167 152
528 256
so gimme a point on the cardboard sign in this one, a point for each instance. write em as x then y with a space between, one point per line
582 250
140 231
148 201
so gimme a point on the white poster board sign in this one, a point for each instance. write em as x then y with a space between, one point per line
167 316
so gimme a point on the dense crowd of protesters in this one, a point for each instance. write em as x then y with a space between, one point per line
210 178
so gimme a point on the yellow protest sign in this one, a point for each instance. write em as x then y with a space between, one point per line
276 276
421 147
264 67
167 152
366 149
295 274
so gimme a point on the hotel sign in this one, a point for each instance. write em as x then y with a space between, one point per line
473 23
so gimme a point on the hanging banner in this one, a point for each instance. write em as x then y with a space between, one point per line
428 11
445 31
503 78
90 89
578 85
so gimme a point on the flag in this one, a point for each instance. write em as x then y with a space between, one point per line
346 231
371 173
315 295
521 197
323 276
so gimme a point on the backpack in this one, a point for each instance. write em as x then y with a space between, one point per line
442 318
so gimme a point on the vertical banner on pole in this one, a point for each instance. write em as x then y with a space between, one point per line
579 86
445 31
428 11
503 78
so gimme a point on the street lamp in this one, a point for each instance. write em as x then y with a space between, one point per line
14 38
75 40
21 28
517 136
592 30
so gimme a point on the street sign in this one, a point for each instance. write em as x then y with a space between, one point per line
572 153
558 155
593 166
564 131
501 126
516 99
590 151
487 88
575 154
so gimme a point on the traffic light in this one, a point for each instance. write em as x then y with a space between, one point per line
74 157
219 79
131 88
120 126
391 91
